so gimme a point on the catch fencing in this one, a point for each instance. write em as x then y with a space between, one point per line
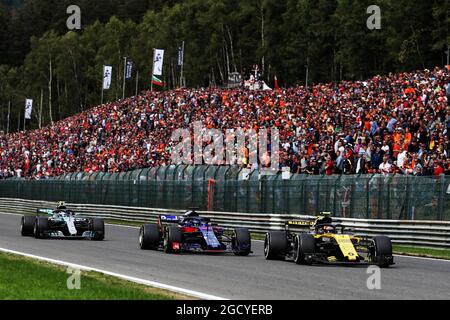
233 189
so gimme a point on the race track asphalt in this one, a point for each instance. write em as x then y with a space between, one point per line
235 277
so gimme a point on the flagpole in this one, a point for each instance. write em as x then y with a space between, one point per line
182 66
137 82
9 116
124 75
24 119
3 126
153 69
307 71
103 81
448 53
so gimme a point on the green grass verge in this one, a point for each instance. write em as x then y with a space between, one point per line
258 236
28 279
125 223
422 252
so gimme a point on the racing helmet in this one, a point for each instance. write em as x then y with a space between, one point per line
191 213
61 205
324 218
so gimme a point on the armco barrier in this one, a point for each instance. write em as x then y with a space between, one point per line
419 233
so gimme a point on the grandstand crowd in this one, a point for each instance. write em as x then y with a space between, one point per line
397 123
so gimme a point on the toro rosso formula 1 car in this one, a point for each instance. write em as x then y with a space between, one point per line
192 233
328 243
62 223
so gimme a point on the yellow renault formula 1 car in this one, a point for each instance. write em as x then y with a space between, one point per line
326 242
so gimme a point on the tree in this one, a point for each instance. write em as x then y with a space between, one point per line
114 45
329 37
359 50
441 27
39 65
4 22
409 27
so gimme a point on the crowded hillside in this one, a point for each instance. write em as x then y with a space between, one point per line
391 124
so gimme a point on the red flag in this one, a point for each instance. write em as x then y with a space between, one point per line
277 87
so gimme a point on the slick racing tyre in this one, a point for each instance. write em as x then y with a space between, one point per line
172 240
275 245
149 237
382 251
27 226
241 242
40 227
303 244
98 226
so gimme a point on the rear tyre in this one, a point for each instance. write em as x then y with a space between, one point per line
303 244
172 240
98 226
275 245
382 251
149 237
40 227
242 243
27 226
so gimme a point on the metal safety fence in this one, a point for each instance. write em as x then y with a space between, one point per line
233 189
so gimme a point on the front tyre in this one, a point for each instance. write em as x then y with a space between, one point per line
172 240
381 251
149 237
41 227
303 244
27 226
241 242
275 245
98 226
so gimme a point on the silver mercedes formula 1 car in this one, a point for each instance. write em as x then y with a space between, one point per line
62 223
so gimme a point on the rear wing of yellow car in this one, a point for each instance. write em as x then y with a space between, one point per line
308 223
299 224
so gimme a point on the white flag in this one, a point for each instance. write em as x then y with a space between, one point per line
158 62
107 74
28 108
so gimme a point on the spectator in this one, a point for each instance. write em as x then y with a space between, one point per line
340 163
401 157
329 166
360 126
377 158
437 169
385 166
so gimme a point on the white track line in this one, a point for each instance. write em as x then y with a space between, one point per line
134 227
10 214
121 225
158 285
420 258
